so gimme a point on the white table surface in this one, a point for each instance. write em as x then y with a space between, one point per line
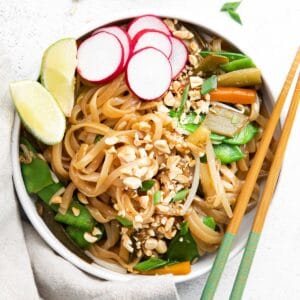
270 34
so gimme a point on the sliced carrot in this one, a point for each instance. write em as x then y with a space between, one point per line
233 95
176 269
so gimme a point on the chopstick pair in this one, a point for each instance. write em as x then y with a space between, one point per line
243 199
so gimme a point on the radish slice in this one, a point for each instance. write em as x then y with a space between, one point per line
153 38
178 56
149 73
147 22
123 37
100 57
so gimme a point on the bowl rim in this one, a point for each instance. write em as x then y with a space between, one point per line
26 200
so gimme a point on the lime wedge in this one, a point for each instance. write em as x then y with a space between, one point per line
39 111
57 72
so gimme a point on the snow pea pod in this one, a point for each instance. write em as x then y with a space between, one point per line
77 235
36 174
238 64
84 220
228 153
244 136
46 194
58 230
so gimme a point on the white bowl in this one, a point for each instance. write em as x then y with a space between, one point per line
199 268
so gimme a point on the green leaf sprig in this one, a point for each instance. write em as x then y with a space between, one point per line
230 8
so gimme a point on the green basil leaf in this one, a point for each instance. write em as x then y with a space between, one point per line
150 264
182 248
230 6
180 195
157 197
209 84
124 221
210 222
235 16
184 228
228 153
146 185
244 136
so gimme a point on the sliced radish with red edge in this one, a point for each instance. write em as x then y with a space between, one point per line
148 73
123 37
100 57
178 56
146 22
153 38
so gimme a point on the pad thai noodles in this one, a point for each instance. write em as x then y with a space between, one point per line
148 186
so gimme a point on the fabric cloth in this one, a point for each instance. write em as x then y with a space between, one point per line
29 269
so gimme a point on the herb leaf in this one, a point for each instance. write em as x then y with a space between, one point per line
209 84
150 264
230 6
180 195
124 221
235 16
182 248
157 197
147 185
210 222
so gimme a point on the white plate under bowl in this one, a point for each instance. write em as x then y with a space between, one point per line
202 266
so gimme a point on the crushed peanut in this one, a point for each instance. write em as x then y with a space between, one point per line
132 182
183 34
55 200
75 211
89 238
162 146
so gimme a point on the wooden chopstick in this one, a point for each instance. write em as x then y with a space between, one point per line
260 216
247 189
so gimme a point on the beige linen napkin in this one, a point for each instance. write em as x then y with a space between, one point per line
29 269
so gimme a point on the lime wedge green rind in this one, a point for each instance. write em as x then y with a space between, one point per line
218 267
39 111
57 72
244 269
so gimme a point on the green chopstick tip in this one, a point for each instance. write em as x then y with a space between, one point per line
245 266
218 267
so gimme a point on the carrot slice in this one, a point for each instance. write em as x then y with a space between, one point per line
233 95
182 268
